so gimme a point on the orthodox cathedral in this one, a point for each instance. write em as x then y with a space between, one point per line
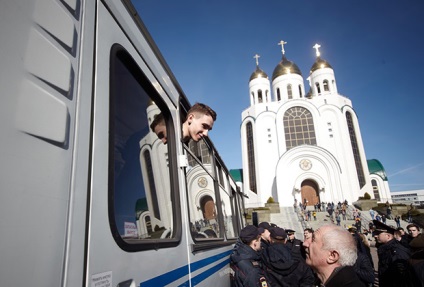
300 146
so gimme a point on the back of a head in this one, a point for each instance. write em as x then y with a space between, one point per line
339 239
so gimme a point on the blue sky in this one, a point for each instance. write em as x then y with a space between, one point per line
375 47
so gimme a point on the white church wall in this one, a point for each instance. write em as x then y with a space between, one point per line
282 108
319 76
323 169
266 153
281 83
256 85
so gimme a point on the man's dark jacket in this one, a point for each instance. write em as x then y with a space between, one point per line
393 266
283 270
344 276
247 266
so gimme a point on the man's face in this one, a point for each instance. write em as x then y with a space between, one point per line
307 235
383 237
413 231
257 244
315 255
160 131
199 126
291 236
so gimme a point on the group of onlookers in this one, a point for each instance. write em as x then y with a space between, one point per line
268 255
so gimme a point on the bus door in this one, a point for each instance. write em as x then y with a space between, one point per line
135 236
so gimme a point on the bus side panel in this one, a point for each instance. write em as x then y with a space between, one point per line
105 258
38 109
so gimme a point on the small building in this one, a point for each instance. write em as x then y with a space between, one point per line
416 197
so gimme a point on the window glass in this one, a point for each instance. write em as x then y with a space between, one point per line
227 200
251 157
140 201
200 178
355 150
299 127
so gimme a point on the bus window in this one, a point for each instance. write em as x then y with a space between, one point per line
228 211
141 205
204 219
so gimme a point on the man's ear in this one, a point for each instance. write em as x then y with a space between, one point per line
333 257
190 118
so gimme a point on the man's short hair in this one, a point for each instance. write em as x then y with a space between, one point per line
310 230
250 233
158 119
202 109
265 225
339 239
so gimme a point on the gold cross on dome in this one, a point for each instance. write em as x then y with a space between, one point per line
257 59
316 47
282 46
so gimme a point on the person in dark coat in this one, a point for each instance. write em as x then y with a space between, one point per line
332 253
417 258
394 268
282 269
265 236
245 260
295 245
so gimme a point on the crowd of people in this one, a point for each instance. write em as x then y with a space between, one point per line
268 255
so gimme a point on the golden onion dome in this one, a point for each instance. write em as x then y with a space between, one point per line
285 67
258 73
320 64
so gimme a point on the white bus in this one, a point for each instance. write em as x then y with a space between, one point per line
90 196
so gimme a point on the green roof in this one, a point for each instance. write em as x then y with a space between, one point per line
375 167
237 174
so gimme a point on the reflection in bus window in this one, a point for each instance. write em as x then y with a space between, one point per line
226 205
140 196
204 219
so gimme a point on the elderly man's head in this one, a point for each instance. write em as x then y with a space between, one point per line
331 246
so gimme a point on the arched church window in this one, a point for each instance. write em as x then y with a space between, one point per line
289 91
326 87
251 157
278 94
253 98
260 96
355 150
375 189
299 127
318 88
300 91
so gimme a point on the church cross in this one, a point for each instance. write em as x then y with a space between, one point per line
257 59
316 47
282 46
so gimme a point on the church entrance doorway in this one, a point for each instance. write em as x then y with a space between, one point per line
309 192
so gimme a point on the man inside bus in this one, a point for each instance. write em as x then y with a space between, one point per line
198 123
158 126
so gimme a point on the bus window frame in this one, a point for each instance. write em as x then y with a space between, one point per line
116 52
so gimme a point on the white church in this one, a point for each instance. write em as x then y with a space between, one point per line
304 146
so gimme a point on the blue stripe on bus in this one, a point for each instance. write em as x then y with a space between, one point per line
202 276
175 274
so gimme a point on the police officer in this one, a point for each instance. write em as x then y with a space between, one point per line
246 262
393 266
295 245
